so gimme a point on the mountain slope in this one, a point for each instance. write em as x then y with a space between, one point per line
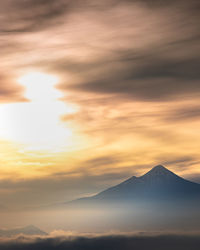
28 230
157 184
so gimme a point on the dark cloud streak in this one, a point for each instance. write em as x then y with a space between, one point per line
162 69
29 16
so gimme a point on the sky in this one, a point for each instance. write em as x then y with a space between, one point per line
93 92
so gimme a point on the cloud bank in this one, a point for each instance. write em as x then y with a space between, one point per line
117 242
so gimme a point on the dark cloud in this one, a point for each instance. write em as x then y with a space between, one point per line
177 160
117 242
29 15
164 68
179 163
188 113
149 78
146 50
102 161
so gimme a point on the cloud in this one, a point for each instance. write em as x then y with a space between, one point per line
151 78
102 161
146 52
9 91
29 16
113 241
184 114
141 50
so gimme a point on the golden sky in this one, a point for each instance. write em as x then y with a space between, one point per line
92 92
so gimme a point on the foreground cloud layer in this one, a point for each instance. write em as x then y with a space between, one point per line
165 242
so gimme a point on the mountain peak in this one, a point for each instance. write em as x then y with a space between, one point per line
32 227
160 167
159 171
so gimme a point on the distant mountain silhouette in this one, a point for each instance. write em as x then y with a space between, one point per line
159 184
28 230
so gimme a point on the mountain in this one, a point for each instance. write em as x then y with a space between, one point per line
157 200
159 184
28 230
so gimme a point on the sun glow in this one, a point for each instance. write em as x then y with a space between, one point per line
36 124
40 87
